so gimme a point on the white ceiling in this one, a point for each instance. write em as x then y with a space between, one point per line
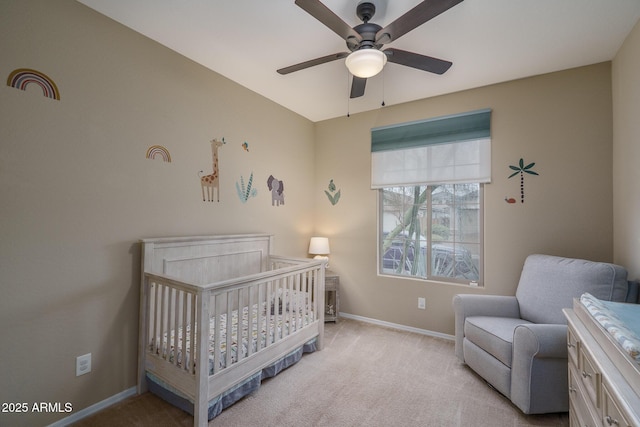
488 41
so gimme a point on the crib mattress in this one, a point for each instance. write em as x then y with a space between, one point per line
278 325
620 320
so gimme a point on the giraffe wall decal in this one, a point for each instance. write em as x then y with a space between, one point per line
212 182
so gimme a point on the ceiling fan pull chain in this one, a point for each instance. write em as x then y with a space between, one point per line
382 87
348 97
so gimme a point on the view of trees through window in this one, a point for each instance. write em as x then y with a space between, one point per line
432 231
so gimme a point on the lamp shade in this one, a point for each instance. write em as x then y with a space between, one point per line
319 246
366 63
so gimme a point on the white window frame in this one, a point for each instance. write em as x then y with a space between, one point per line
429 275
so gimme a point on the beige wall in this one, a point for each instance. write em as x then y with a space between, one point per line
77 192
560 121
626 153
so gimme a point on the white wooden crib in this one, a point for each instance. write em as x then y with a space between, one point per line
200 294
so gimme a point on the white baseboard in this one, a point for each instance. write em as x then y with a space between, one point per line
95 408
398 326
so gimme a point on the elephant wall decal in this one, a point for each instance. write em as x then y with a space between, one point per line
277 191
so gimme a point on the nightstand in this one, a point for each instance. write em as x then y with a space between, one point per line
331 296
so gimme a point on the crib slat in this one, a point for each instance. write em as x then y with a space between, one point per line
183 346
314 294
268 318
156 338
309 300
217 344
250 320
283 314
239 306
163 313
262 301
305 281
298 294
286 307
302 306
151 321
174 322
301 309
295 303
192 331
300 277
282 284
228 352
285 304
158 322
290 304
277 315
286 315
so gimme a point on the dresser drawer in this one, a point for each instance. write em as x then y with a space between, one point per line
582 414
611 413
590 378
572 347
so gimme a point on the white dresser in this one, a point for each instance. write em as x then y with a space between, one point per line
604 381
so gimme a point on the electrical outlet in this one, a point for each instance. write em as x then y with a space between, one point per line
422 303
83 364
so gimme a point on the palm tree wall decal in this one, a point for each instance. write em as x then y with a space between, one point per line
522 169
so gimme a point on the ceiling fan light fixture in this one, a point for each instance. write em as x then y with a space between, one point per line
366 63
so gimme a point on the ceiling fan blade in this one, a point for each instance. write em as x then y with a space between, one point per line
312 62
417 16
421 62
323 14
357 87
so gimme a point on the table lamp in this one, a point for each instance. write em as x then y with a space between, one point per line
319 246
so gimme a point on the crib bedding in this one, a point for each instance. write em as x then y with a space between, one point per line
620 320
219 403
275 322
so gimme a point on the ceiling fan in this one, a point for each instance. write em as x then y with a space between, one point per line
365 41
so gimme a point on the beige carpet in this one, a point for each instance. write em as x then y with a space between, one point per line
366 376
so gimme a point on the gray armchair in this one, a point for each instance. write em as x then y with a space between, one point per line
518 344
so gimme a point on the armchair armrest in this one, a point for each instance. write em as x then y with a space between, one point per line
466 305
540 340
539 368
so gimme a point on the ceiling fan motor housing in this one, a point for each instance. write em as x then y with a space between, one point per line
367 30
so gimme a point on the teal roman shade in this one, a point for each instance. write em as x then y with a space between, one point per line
439 130
449 149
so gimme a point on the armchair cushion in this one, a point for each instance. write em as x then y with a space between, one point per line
549 283
468 305
493 334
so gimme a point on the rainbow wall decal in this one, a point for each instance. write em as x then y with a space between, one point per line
23 77
159 150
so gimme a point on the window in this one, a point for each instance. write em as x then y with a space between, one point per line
432 232
430 177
